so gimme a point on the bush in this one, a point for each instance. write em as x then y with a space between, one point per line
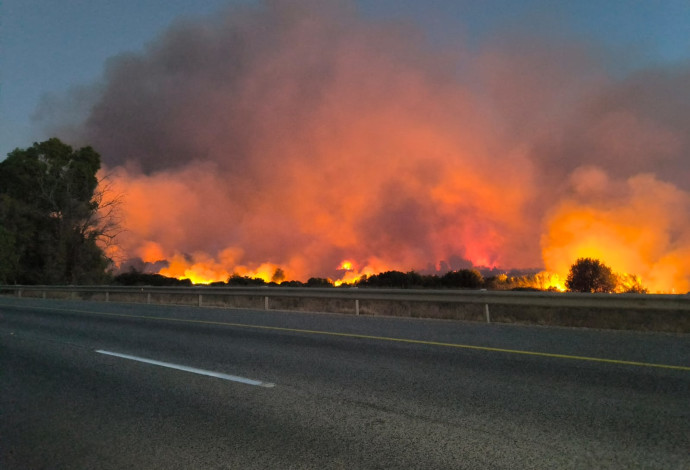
319 282
237 280
467 278
395 279
136 278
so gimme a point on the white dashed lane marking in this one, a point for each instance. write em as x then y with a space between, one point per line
194 370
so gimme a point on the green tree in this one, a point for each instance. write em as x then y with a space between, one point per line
53 215
590 275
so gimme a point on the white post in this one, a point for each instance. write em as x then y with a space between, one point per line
107 296
266 303
486 312
148 298
43 294
200 295
356 306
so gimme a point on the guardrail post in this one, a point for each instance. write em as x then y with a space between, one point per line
107 296
43 294
73 295
356 306
148 297
486 312
266 302
19 293
200 295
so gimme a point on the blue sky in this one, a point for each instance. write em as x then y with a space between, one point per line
49 46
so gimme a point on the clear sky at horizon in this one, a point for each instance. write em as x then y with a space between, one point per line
50 46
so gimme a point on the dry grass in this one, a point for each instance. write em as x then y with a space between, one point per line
671 321
441 310
303 304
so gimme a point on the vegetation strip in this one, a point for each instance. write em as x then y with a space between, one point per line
376 338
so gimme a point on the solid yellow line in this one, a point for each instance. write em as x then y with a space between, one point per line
380 338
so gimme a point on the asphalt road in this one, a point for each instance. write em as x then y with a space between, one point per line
330 391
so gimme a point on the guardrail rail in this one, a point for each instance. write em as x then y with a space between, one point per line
486 300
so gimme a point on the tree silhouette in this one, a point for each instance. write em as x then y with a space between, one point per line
468 278
590 275
319 282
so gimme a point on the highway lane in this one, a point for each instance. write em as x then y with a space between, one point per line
339 401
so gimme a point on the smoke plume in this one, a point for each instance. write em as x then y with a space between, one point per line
298 135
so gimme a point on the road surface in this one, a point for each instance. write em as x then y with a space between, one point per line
105 385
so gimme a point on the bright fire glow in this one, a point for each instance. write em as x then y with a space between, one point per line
352 274
345 266
549 281
344 146
634 236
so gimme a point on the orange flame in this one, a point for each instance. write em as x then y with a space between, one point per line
637 236
345 266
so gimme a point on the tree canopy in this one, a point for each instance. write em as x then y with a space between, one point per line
464 279
590 275
49 216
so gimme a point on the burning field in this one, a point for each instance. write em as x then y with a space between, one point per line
298 139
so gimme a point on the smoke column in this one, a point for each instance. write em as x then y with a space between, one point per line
298 135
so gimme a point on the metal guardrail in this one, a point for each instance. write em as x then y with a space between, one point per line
487 298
